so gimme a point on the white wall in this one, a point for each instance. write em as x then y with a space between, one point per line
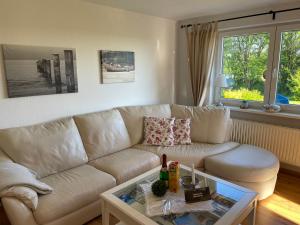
87 27
182 80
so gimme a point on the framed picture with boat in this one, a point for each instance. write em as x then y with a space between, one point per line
32 70
117 66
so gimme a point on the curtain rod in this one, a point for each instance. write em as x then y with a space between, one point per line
273 13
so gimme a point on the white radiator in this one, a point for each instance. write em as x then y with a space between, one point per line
282 141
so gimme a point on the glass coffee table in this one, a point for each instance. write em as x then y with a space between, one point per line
230 203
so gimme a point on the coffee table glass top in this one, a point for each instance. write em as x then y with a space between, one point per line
224 197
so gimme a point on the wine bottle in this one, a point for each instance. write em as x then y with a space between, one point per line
164 175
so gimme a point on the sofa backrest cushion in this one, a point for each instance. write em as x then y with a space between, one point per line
45 148
209 124
102 133
134 118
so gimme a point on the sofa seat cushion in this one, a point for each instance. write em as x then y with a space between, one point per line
246 163
189 154
134 118
73 189
209 124
126 164
46 148
102 133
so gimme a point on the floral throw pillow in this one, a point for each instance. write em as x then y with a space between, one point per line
159 131
182 131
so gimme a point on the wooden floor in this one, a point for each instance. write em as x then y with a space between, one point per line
282 208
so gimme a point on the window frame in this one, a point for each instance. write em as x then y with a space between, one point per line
270 86
293 108
246 31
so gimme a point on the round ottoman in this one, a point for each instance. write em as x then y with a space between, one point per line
248 166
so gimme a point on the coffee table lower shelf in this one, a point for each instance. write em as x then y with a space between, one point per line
248 216
242 211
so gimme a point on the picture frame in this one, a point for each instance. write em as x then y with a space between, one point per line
117 66
38 70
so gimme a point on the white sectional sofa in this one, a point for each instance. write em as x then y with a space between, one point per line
83 156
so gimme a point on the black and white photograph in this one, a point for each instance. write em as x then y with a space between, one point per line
32 71
117 66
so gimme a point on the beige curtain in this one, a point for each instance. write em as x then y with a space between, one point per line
201 45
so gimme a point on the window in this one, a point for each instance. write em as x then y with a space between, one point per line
262 65
244 62
288 82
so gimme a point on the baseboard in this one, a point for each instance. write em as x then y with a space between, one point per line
289 169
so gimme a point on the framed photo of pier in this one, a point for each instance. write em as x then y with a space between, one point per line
117 66
32 70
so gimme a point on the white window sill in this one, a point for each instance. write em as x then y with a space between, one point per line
261 112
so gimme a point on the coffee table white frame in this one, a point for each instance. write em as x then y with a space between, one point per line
243 210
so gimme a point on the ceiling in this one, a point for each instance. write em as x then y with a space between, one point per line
182 9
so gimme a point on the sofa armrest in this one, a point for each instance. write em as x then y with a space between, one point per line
25 194
17 212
